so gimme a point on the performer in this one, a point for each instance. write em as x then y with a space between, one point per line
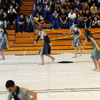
46 50
77 38
3 41
96 52
19 93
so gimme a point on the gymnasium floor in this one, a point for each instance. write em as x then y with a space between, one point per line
69 81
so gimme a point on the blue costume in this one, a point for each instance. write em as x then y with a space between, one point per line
46 49
96 53
76 42
3 40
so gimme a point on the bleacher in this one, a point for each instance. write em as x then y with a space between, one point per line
23 43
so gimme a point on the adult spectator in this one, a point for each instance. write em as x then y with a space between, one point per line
38 10
77 5
71 16
21 23
30 23
12 17
5 19
55 20
47 14
39 19
94 9
11 7
63 19
88 17
96 23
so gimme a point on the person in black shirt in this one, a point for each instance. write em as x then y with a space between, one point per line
5 19
88 17
63 19
21 24
12 17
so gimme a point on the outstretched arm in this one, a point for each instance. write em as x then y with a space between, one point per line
6 40
33 94
84 43
70 31
80 33
94 41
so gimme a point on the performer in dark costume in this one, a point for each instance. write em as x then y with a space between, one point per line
77 38
96 52
46 50
19 93
3 41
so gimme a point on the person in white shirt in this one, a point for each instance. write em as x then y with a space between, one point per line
71 16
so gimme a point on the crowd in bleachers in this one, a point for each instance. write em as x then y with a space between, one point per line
62 13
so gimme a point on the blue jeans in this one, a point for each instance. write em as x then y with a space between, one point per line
63 26
55 24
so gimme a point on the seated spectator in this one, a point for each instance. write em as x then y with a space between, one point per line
55 20
37 10
98 1
12 17
85 6
47 14
19 2
4 8
93 9
63 19
15 6
5 19
88 18
71 16
67 3
39 19
21 23
30 23
96 23
77 5
58 8
81 18
11 7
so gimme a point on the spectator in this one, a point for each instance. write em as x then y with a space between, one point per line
94 9
47 14
39 19
5 19
37 10
71 17
55 20
21 23
30 23
11 7
63 19
96 23
88 17
12 17
77 5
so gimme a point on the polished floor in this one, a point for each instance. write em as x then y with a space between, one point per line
53 81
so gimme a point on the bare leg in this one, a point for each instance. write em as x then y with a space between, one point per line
96 68
53 59
42 58
80 50
98 62
3 58
75 52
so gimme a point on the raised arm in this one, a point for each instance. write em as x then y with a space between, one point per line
33 94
